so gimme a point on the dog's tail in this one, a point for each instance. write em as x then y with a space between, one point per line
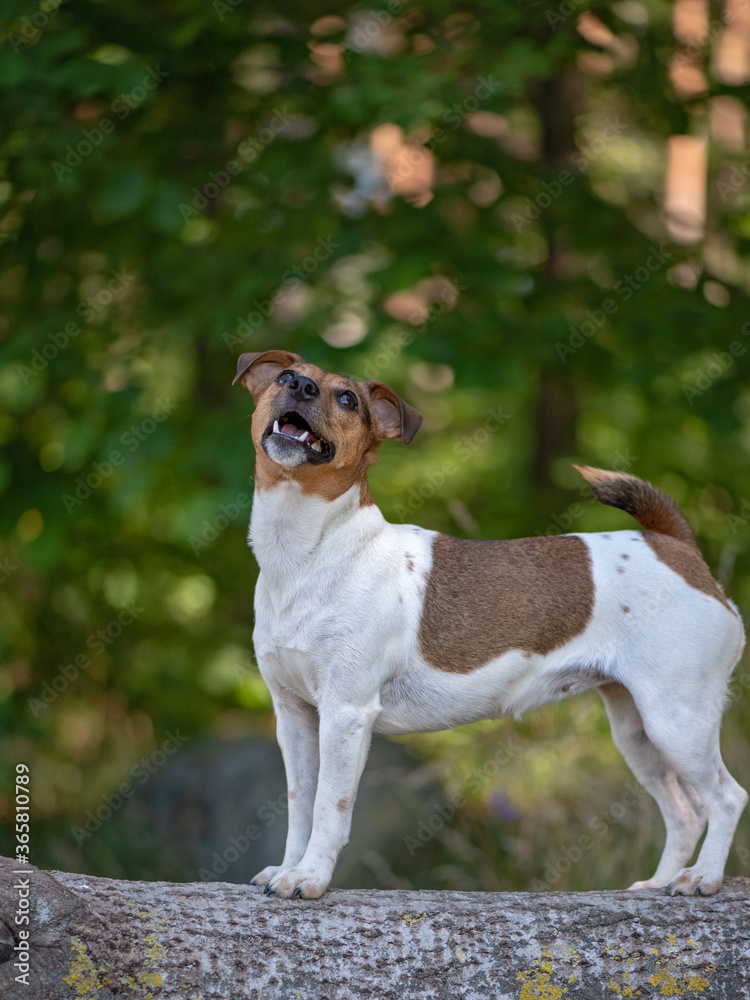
652 508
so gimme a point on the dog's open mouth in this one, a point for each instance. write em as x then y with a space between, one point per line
293 427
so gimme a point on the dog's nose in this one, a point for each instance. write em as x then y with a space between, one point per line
302 387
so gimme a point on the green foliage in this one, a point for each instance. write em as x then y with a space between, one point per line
166 168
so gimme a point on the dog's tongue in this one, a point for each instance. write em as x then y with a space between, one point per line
296 432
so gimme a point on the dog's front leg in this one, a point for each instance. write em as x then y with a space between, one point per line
345 732
297 733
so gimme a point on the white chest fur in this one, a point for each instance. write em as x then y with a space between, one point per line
339 596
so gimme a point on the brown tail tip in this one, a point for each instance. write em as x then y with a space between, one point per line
651 507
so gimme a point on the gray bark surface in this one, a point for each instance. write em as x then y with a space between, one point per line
104 938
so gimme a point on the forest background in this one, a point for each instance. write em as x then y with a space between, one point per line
531 219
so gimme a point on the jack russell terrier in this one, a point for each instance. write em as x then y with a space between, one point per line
363 626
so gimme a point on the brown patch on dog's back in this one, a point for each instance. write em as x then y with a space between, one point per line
686 560
342 805
486 598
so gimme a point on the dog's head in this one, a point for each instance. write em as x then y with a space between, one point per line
320 428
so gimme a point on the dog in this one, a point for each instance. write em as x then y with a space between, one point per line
364 626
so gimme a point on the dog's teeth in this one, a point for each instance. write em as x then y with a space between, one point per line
304 436
276 429
315 445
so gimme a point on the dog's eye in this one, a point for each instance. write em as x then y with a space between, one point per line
348 399
284 377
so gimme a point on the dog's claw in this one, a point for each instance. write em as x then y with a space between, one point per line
267 890
297 892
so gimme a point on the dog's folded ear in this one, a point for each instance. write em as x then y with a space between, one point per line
391 416
255 371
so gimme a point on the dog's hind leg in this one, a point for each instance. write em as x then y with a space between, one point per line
687 734
725 800
680 806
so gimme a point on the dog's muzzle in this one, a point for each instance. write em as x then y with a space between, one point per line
291 436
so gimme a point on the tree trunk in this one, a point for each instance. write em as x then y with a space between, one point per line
103 938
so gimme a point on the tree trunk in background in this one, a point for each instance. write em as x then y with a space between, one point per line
557 103
555 430
94 937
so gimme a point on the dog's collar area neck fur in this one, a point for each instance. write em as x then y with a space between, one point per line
288 525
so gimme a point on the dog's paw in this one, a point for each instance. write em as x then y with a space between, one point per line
649 883
691 882
292 883
264 877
